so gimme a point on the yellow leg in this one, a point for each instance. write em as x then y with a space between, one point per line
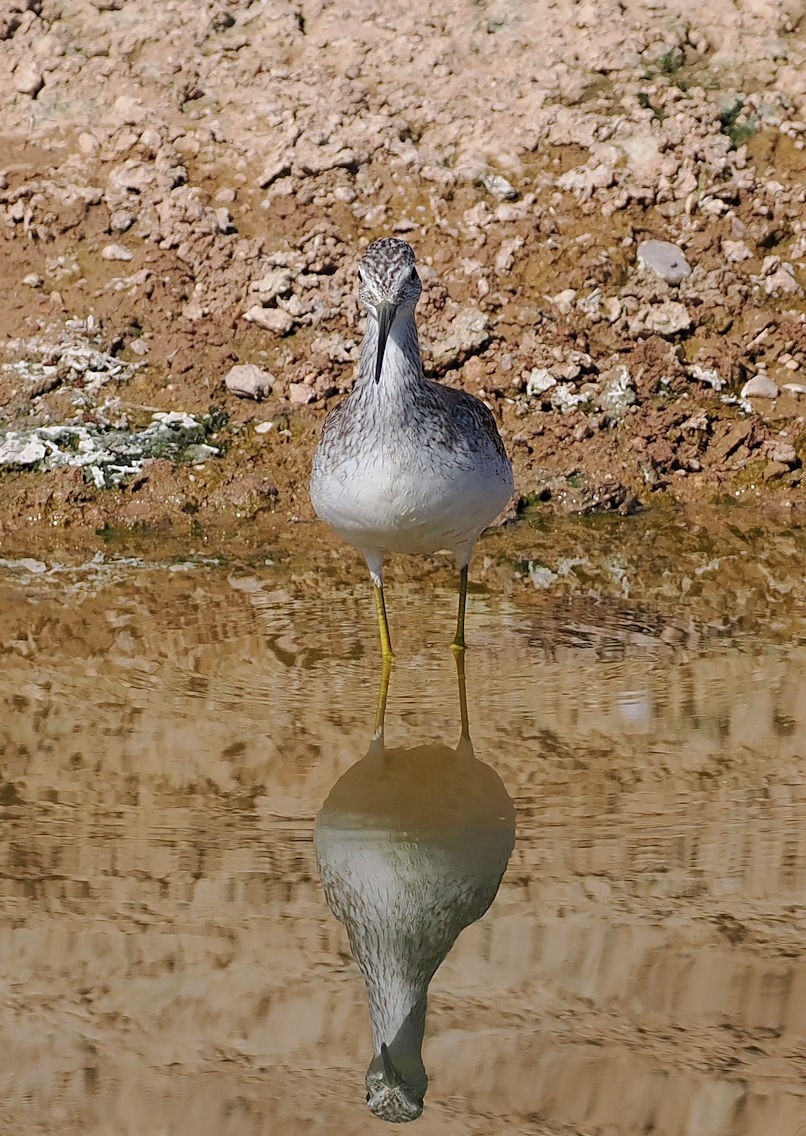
460 677
459 640
383 623
383 692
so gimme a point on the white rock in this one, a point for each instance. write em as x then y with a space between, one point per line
121 220
468 334
795 388
116 252
299 394
778 450
271 319
735 251
667 319
129 110
28 80
618 391
248 381
760 386
563 301
277 282
643 153
707 375
777 278
88 144
664 260
539 381
585 179
22 451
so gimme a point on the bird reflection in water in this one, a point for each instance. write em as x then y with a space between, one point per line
411 846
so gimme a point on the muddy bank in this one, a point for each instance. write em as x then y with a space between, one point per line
187 189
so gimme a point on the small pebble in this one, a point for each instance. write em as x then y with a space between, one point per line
271 319
116 252
664 259
248 381
121 220
299 394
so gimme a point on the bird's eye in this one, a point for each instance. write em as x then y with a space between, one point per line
367 1098
413 275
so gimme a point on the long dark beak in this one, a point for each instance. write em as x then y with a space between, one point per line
391 1075
385 312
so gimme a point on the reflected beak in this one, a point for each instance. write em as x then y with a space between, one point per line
385 312
390 1074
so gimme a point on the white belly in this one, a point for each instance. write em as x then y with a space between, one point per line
386 508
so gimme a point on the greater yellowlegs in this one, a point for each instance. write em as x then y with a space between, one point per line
406 464
411 846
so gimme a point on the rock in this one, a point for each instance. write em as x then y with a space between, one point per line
319 159
88 144
664 260
279 167
505 257
277 282
585 179
248 381
707 375
618 392
468 335
760 386
121 220
33 280
643 156
722 447
782 452
667 319
129 110
777 278
563 301
735 251
299 394
498 186
21 450
539 381
271 319
116 252
795 388
28 80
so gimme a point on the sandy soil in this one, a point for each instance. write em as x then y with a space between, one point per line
187 186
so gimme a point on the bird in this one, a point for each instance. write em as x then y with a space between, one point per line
411 846
404 463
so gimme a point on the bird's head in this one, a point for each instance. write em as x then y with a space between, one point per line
391 1095
388 284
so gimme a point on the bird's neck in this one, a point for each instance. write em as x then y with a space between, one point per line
397 1013
402 365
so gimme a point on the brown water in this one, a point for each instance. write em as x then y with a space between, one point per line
171 730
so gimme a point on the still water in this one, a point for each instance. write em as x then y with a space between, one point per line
176 946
